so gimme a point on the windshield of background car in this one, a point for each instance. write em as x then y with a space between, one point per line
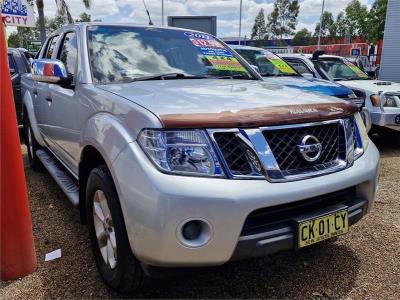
268 63
341 69
123 54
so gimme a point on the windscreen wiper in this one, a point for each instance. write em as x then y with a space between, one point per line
166 76
236 76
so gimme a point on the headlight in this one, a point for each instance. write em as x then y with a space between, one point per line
361 136
181 152
376 100
390 101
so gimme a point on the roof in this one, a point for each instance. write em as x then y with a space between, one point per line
247 48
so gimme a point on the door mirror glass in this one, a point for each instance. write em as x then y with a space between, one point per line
366 117
255 68
50 71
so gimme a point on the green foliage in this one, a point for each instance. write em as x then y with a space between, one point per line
13 40
328 28
341 24
283 19
25 34
357 18
84 17
259 29
377 18
302 38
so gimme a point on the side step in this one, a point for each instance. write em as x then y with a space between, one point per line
63 180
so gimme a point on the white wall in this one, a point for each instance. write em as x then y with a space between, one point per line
390 65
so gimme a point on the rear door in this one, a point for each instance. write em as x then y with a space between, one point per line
63 121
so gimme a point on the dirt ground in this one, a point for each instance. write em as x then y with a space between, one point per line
364 264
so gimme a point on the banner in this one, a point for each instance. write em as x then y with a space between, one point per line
17 13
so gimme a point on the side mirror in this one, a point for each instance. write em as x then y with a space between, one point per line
50 71
255 68
308 75
366 117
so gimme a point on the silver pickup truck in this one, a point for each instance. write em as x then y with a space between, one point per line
179 155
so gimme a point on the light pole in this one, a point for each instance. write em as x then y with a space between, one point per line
162 13
240 22
320 23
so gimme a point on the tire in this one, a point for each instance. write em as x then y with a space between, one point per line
121 270
32 146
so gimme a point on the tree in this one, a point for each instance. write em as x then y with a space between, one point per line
13 40
283 19
376 20
84 17
328 26
259 29
302 38
357 18
65 11
341 24
25 34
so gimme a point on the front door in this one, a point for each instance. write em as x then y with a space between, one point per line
63 122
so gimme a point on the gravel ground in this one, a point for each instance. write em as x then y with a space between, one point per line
363 264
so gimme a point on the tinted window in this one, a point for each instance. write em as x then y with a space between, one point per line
120 53
11 64
69 53
50 48
341 69
268 63
299 66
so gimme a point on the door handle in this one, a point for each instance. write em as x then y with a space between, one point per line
35 92
49 99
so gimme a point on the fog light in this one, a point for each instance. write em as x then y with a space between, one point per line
191 230
194 233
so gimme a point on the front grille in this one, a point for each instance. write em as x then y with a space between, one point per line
270 218
234 153
284 145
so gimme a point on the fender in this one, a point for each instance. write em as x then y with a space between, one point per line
27 102
107 134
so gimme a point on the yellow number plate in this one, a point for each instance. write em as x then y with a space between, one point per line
319 229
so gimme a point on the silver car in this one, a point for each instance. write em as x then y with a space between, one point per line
178 154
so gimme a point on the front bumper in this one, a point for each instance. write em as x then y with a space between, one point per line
155 204
388 117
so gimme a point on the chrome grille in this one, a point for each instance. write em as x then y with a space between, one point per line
273 152
284 145
233 152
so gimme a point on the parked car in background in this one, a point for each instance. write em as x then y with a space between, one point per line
381 97
274 69
178 154
364 63
18 62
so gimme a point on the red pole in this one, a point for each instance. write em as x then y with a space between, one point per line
17 249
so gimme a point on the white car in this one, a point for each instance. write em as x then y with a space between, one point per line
382 98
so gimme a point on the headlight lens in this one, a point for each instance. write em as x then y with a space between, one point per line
181 152
376 100
390 101
361 136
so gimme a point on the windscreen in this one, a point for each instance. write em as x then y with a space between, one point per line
268 64
123 54
341 69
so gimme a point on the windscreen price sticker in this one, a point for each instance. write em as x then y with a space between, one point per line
356 69
219 57
225 63
280 64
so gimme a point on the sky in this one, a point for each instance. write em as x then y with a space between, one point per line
227 11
